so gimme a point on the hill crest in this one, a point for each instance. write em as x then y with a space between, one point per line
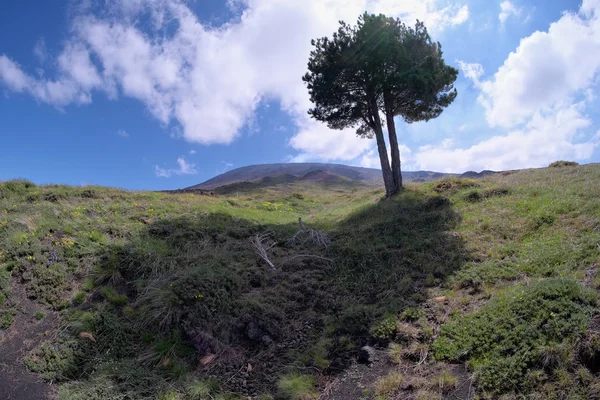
289 172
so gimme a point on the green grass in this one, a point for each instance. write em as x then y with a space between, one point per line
161 280
111 295
297 387
387 385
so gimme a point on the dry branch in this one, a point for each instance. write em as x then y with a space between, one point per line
261 248
310 236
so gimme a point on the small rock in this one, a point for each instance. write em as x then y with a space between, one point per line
253 331
440 299
366 355
338 364
266 340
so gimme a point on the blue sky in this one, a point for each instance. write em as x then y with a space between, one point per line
157 94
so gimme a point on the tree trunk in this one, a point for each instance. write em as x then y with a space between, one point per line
395 151
388 179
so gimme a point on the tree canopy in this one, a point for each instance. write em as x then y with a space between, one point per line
379 68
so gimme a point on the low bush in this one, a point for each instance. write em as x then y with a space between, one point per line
18 187
512 333
562 163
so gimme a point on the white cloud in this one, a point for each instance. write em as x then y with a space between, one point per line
540 95
161 172
315 141
548 136
428 11
123 133
547 68
192 152
371 158
472 71
508 9
210 80
77 77
185 168
40 51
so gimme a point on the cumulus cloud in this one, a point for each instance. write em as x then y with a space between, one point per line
184 168
508 9
210 80
548 136
546 69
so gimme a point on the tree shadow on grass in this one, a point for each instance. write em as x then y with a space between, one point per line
196 283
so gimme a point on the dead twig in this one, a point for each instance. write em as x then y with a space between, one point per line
311 236
261 248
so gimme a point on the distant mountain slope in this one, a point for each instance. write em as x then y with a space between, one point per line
293 171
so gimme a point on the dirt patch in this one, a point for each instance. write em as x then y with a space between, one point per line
16 381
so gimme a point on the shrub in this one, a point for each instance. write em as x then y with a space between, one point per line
47 284
387 385
394 352
97 237
451 184
54 361
199 390
8 317
160 306
385 328
39 315
17 187
113 297
445 382
411 314
562 163
297 387
506 337
78 298
543 219
317 355
474 196
355 320
88 285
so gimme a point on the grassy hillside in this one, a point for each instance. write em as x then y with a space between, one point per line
112 294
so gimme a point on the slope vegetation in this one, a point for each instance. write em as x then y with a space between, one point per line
462 287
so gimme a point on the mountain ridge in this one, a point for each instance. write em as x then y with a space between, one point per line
368 176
